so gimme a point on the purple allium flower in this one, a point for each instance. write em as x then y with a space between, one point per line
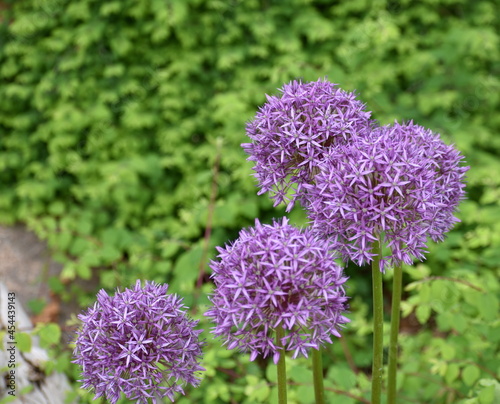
291 134
277 275
402 183
139 342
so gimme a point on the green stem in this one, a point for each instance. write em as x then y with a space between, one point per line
393 345
378 326
319 391
280 333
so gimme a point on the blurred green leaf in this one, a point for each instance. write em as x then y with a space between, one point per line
114 114
470 374
50 334
423 313
452 373
23 340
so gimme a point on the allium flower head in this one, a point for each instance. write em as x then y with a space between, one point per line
277 276
291 134
402 183
138 342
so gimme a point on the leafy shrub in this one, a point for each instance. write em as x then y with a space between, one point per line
120 126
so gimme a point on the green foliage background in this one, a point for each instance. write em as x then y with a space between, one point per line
120 126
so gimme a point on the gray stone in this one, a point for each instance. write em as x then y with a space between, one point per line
27 366
25 264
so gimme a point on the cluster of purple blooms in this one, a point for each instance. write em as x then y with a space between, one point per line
138 342
400 184
359 182
291 134
277 276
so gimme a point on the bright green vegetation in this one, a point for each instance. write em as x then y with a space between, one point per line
117 116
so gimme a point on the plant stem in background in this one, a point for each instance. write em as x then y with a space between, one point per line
280 333
393 345
378 326
210 214
348 355
319 392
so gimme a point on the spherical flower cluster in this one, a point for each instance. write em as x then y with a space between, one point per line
277 276
290 134
138 342
449 176
401 184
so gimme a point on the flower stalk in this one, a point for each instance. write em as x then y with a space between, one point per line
319 391
378 326
393 344
280 333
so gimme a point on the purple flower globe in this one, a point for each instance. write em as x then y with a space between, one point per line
402 184
138 342
291 134
277 276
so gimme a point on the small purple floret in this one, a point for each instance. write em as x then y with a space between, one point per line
277 275
138 342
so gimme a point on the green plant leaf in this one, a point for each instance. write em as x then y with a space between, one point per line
23 340
50 334
423 313
470 374
452 373
487 395
488 306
